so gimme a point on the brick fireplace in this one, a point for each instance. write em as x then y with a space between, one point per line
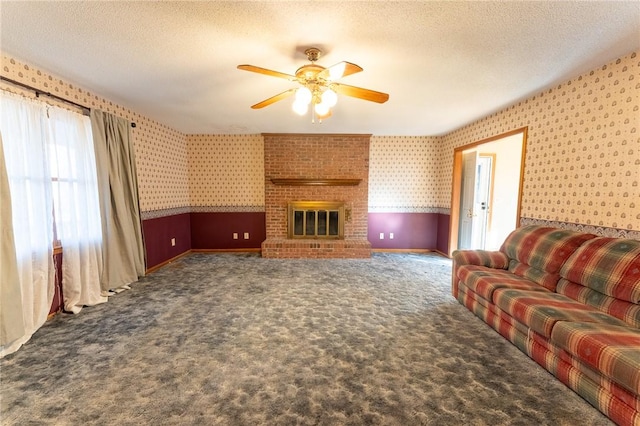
319 168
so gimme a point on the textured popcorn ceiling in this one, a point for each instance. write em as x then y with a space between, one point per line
444 64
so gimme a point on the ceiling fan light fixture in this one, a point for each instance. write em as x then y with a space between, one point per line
303 95
300 108
321 109
329 98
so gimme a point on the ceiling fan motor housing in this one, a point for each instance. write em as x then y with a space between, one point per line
313 54
308 73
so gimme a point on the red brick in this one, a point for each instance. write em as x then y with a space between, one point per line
316 156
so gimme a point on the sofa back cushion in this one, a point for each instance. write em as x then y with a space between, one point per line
538 252
609 266
539 276
626 311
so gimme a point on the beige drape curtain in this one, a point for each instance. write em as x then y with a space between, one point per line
123 248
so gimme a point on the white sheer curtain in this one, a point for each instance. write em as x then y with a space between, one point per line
24 135
11 323
77 210
50 163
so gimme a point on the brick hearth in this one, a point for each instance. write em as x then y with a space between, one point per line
284 248
321 164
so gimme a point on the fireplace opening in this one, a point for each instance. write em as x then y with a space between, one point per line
316 219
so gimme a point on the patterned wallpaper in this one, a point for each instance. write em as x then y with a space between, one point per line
403 174
583 151
582 163
226 172
163 169
161 154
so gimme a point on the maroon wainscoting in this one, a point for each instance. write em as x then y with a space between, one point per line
214 231
158 233
410 230
442 244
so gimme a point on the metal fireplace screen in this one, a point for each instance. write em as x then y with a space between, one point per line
316 219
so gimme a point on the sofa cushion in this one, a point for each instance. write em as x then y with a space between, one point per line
610 349
540 311
609 266
484 281
544 249
626 311
545 279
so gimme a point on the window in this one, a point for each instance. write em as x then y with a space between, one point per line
73 178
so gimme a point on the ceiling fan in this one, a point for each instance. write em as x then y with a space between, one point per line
317 86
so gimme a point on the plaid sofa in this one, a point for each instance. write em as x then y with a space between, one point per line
571 302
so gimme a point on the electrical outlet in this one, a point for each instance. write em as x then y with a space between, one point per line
173 242
246 235
235 235
382 235
391 235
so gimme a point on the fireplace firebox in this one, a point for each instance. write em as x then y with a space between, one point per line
316 219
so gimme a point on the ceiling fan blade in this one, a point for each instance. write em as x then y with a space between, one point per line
339 70
265 71
273 99
359 92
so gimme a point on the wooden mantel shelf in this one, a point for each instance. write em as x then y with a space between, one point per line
316 182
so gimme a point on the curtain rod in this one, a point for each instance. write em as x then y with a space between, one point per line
39 92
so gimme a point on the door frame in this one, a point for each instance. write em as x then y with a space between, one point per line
454 217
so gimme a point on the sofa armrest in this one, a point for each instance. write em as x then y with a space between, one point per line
490 259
